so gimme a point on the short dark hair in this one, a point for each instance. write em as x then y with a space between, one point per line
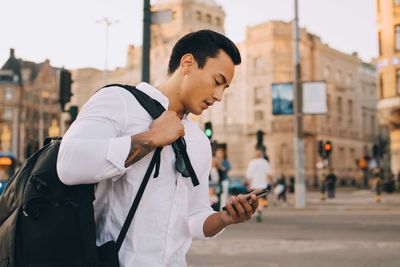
202 45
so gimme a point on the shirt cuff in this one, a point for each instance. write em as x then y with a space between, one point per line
196 223
117 152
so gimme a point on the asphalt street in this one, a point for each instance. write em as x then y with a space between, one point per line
348 231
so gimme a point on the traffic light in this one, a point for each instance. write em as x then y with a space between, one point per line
362 163
327 149
208 129
321 149
260 138
376 151
73 112
324 149
65 87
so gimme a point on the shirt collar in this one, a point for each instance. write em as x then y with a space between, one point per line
153 93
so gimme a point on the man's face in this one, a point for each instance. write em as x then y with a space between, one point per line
200 88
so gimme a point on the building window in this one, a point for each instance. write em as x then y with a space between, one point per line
351 159
349 80
208 18
378 5
258 63
364 122
339 108
284 155
338 76
380 43
199 16
218 21
350 110
258 95
381 95
372 121
9 93
341 156
398 82
259 115
397 37
8 113
327 73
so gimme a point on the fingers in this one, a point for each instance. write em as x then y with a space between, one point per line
254 202
239 209
246 207
231 210
167 128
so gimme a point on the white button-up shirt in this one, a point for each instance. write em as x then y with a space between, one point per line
171 211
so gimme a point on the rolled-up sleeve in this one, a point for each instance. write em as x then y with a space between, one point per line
93 148
200 206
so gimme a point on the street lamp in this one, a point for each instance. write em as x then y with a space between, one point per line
108 23
300 189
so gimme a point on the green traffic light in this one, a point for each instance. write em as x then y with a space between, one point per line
208 132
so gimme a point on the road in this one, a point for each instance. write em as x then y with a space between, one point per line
348 231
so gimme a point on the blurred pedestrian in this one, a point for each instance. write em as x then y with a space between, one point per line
214 188
291 184
331 183
258 175
398 180
377 185
323 187
223 167
281 185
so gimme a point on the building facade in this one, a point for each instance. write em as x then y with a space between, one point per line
351 123
29 105
187 16
388 66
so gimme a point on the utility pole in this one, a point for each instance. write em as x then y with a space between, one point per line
300 189
146 41
108 23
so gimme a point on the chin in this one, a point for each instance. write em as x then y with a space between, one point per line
196 112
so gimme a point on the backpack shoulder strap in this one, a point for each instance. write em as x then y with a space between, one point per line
155 109
152 106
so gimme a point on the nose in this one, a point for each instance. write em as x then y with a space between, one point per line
218 93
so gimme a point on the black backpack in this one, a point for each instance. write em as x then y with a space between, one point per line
44 223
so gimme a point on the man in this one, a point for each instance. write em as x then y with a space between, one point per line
331 183
113 140
258 175
223 168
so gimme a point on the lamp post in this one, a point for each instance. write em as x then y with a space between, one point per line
300 188
146 41
108 23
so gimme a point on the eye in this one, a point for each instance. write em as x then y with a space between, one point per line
217 83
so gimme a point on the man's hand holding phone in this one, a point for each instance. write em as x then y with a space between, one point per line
239 209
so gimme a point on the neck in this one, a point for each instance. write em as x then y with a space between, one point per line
170 88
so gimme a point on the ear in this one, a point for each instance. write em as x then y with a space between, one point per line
187 63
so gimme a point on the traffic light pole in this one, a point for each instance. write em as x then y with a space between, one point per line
146 41
300 189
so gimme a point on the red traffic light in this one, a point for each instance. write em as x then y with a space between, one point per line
328 147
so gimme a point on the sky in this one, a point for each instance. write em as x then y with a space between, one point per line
66 32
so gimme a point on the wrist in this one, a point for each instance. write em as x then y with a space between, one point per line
222 219
150 138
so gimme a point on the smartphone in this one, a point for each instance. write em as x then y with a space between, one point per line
260 194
